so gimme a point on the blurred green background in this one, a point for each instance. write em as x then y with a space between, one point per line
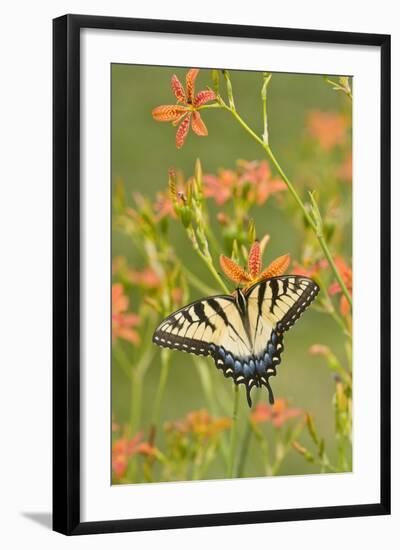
143 150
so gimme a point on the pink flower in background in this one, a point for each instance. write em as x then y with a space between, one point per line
278 413
220 187
345 170
185 113
122 321
327 128
123 449
309 270
147 278
319 349
256 175
347 275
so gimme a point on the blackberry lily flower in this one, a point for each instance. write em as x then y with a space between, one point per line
185 112
253 274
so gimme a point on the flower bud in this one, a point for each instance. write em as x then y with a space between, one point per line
185 215
223 219
251 231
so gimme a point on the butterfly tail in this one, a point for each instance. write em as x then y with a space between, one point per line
248 391
266 383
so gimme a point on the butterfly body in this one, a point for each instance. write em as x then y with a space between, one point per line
243 332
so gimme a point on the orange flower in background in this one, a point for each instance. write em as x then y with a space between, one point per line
123 449
310 270
254 274
147 278
329 129
345 271
347 275
345 170
278 413
123 322
319 349
186 111
163 206
200 423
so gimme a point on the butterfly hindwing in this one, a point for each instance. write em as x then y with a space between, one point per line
243 333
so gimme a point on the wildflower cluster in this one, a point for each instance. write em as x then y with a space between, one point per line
280 416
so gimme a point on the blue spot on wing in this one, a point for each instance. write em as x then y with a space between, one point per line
251 370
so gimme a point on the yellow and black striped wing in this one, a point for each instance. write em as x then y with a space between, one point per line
279 302
203 326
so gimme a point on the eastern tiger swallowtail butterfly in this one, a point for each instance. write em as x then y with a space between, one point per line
243 332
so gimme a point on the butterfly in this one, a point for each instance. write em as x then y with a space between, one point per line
242 332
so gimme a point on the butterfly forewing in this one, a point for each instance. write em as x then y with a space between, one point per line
195 327
281 300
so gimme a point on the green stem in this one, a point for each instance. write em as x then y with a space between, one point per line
216 275
233 441
210 106
246 441
165 361
206 259
197 283
137 388
267 78
136 401
207 385
122 359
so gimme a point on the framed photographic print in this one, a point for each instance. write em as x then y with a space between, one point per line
221 274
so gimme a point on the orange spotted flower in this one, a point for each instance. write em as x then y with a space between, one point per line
186 110
254 274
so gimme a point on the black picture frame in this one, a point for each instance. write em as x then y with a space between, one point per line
66 273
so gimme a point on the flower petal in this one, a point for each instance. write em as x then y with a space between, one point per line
203 97
182 132
177 88
190 82
168 113
254 261
198 125
232 270
276 268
